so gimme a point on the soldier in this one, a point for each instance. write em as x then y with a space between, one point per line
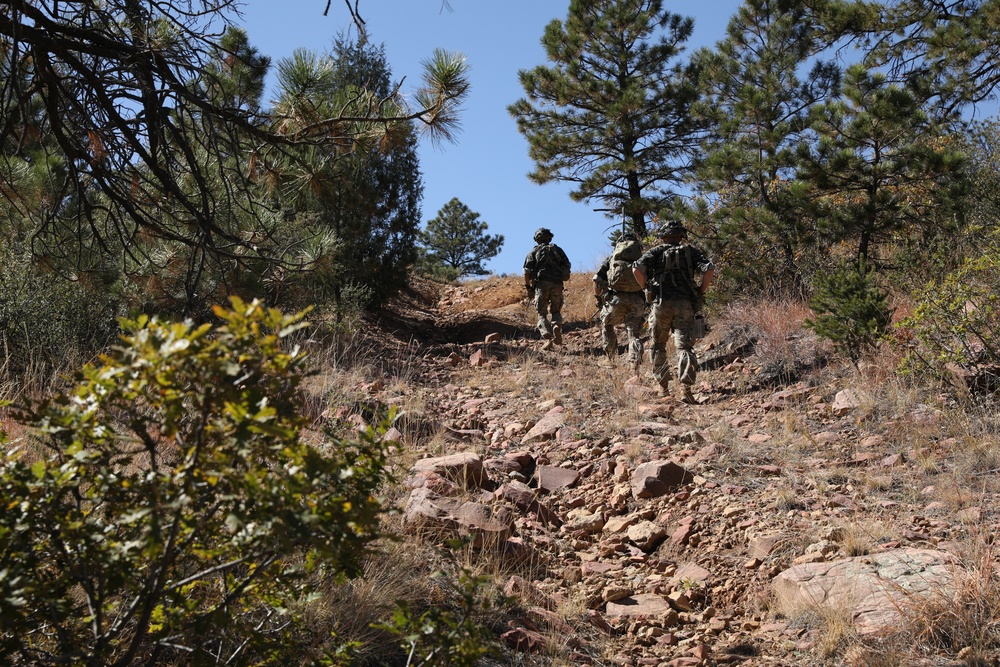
675 264
624 300
545 269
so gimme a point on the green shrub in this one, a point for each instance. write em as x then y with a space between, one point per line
851 310
444 637
170 510
956 321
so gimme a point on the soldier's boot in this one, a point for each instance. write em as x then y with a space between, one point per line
548 344
557 333
665 388
687 396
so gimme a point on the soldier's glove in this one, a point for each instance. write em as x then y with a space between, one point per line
529 291
600 300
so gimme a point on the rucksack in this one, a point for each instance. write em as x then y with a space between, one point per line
675 275
620 276
553 264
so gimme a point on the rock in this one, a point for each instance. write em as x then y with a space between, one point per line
427 511
646 535
433 482
553 478
680 601
682 534
645 604
583 522
465 469
619 524
595 567
491 338
845 401
525 499
524 640
615 592
547 426
786 398
872 588
657 478
691 573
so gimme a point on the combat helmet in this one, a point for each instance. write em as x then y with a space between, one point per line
543 235
672 228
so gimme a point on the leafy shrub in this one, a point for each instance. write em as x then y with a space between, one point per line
170 510
957 320
445 637
851 310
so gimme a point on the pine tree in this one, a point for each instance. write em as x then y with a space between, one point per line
850 308
457 238
758 86
610 114
357 212
880 166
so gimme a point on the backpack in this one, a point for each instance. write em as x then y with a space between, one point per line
675 277
552 264
620 276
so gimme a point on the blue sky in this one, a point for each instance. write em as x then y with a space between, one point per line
487 166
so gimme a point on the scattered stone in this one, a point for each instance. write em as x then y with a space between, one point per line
646 535
426 511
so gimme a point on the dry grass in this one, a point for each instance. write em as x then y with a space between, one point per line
781 347
860 538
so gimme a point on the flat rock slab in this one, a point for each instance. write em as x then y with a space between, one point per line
645 604
871 588
546 427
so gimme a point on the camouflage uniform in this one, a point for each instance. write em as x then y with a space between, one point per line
627 307
547 281
674 307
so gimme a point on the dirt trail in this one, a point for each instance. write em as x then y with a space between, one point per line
783 472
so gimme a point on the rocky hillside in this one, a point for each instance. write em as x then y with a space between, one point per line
805 512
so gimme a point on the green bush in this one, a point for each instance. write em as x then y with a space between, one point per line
170 510
956 321
851 310
442 637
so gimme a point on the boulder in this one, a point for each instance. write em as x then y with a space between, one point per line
657 478
427 511
547 426
465 469
871 589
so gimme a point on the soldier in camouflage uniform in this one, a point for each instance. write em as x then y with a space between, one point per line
623 303
675 264
545 269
